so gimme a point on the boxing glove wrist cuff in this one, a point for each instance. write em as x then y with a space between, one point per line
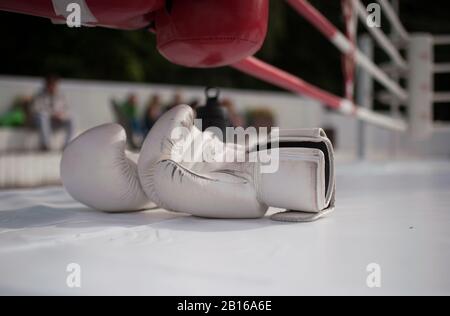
304 182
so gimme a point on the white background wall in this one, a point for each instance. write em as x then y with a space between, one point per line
90 103
90 100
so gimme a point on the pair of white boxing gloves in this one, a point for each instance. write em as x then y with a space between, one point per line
185 170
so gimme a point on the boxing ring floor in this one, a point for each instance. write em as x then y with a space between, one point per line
396 215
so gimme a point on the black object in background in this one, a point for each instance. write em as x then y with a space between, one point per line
213 114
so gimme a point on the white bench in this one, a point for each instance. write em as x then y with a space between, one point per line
26 139
29 169
22 165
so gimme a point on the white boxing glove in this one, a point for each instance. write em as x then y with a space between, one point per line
97 171
174 176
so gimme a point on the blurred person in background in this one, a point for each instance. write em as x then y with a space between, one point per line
261 117
194 104
177 99
236 120
152 113
49 111
127 116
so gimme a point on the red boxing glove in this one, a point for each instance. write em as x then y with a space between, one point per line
129 14
211 33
